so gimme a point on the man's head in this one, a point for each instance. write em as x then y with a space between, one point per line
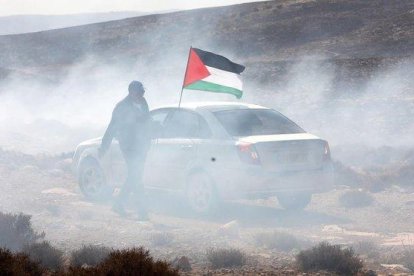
136 90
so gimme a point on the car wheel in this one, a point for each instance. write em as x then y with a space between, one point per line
92 181
294 201
201 194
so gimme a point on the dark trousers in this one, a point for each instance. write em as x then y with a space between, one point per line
133 185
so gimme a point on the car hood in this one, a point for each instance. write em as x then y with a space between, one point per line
278 137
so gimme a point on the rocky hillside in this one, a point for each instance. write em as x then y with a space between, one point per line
17 24
257 34
342 69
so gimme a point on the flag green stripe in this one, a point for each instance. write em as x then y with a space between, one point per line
213 87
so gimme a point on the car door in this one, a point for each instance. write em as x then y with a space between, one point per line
175 150
152 176
118 166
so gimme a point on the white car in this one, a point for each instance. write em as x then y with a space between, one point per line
212 152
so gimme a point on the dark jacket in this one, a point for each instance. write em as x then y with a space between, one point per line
130 125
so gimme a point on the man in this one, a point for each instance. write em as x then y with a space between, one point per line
130 125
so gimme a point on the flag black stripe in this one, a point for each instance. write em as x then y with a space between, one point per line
219 62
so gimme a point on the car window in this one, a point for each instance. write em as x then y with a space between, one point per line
185 124
157 121
204 129
159 116
247 122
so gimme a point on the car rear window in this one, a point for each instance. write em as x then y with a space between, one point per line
248 122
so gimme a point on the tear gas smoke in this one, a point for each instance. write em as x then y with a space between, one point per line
374 113
357 114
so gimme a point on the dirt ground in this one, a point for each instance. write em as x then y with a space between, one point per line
51 195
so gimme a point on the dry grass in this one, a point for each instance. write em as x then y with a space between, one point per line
407 258
367 248
226 258
161 239
330 258
277 240
356 199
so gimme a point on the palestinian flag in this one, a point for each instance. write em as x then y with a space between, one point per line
210 72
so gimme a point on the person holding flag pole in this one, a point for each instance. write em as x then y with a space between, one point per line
210 72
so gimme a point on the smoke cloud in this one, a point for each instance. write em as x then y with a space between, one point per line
374 112
362 107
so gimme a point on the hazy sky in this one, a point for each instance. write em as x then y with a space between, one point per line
11 7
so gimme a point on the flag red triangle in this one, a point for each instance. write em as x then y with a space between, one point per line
196 70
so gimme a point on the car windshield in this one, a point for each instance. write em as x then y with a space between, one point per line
248 122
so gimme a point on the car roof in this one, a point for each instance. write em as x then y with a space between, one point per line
215 106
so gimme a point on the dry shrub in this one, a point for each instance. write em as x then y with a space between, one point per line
225 258
403 255
355 199
182 263
60 161
45 254
82 271
277 240
15 159
407 258
161 239
367 247
344 175
329 257
18 264
134 261
90 255
16 231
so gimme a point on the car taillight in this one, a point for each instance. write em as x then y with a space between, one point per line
248 154
327 152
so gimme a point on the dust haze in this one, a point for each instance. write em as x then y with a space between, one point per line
374 113
364 111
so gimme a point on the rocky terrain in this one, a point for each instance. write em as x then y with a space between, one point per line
340 69
18 24
256 34
313 61
44 187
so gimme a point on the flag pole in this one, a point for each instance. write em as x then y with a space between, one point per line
185 74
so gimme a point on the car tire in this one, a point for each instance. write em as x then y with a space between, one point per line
92 181
294 201
201 194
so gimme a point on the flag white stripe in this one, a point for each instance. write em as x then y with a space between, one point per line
224 78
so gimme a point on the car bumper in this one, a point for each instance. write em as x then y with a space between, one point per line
254 182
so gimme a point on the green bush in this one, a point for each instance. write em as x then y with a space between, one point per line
329 257
225 258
